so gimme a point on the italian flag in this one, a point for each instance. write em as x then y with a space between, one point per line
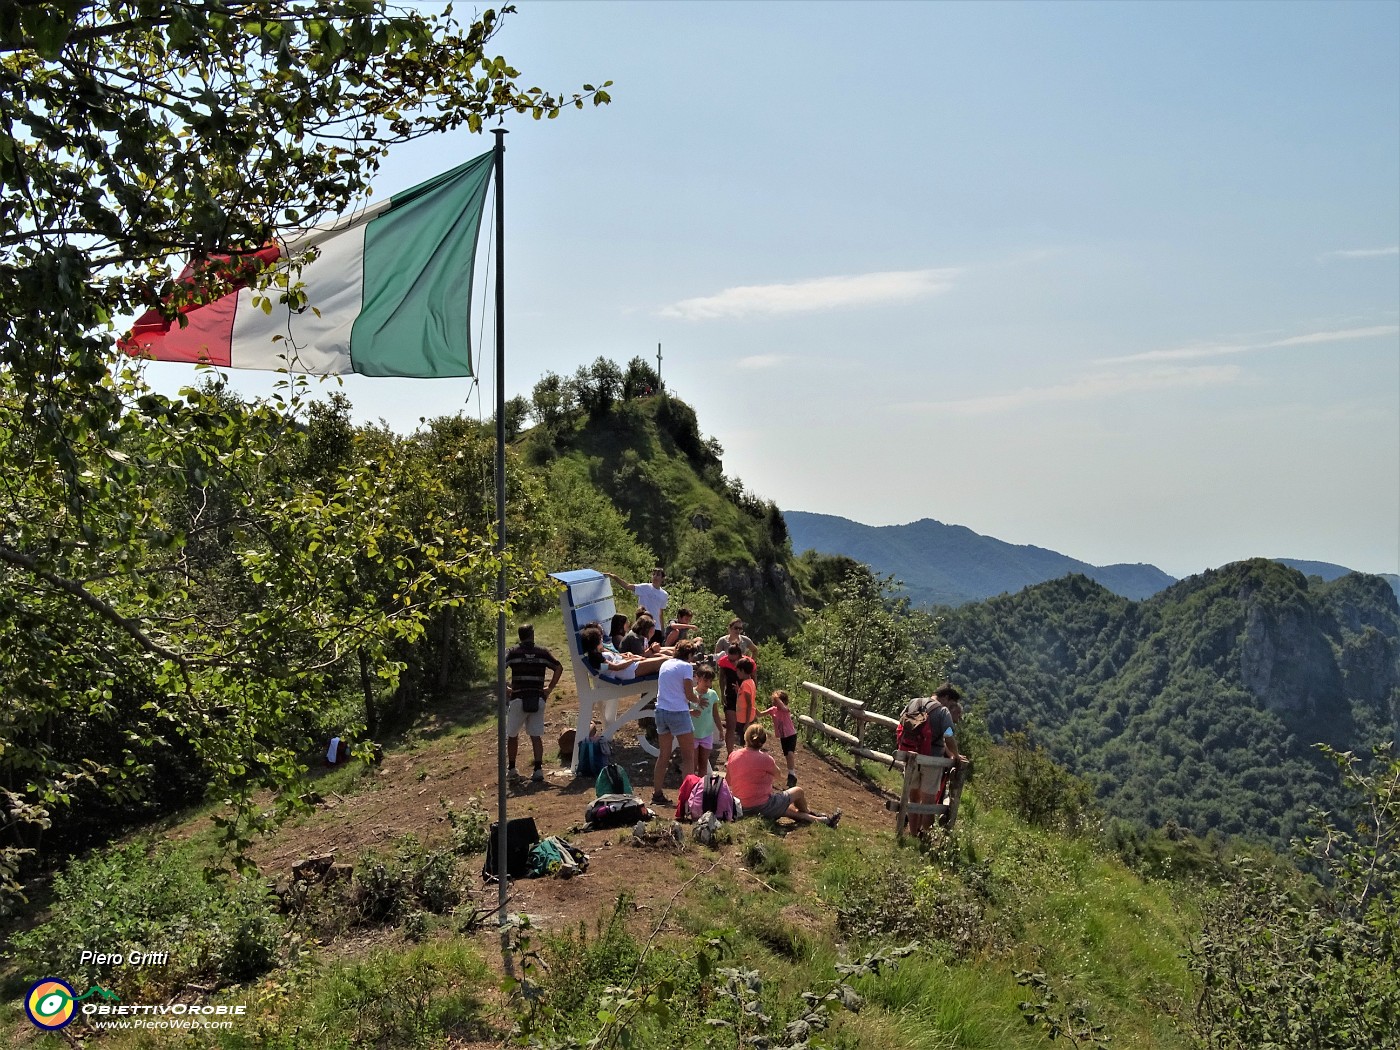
388 293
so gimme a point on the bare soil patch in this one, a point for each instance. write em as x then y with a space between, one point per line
403 796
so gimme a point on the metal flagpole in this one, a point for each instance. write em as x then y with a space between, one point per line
502 889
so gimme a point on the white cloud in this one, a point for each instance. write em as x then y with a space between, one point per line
1363 253
819 293
764 361
1097 387
1196 353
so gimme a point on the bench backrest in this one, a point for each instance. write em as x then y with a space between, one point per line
587 596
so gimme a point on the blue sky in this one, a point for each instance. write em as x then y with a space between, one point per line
1121 280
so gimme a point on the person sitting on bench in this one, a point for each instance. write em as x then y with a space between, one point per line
614 667
641 640
617 631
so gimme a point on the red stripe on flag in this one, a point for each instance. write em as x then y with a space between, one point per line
207 334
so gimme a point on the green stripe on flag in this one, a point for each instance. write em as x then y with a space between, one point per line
415 317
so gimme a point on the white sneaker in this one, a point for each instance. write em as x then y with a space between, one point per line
537 776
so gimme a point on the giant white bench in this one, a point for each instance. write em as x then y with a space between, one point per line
587 596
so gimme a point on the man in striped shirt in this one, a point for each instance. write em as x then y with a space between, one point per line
527 663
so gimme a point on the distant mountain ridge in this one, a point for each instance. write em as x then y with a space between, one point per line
950 564
1329 571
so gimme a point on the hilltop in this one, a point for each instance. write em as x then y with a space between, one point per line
647 455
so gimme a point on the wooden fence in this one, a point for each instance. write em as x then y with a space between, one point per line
945 809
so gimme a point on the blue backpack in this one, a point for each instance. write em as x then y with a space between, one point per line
594 755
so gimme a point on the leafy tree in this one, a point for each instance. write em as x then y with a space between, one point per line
517 411
639 379
553 400
168 571
1281 967
869 645
598 386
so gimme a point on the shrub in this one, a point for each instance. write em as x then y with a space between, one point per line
1026 781
387 888
1284 967
139 898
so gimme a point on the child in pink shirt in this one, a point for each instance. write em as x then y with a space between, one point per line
785 730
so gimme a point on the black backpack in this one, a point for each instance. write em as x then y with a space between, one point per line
521 834
615 811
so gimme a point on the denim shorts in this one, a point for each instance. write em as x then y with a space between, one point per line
674 723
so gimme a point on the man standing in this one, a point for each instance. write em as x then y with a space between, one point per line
932 736
650 596
527 663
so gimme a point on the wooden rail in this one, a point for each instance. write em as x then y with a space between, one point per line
913 765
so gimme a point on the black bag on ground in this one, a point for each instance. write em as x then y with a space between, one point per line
521 834
615 811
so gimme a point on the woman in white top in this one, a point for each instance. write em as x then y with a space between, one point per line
676 704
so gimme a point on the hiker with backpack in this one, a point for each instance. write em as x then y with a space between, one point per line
926 728
751 772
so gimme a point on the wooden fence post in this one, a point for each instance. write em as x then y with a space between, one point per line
901 818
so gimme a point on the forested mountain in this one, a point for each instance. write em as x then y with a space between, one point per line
1200 705
949 564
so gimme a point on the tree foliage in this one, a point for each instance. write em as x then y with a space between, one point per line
1283 967
1199 705
868 644
183 580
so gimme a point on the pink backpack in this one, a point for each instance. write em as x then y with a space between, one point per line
712 795
683 796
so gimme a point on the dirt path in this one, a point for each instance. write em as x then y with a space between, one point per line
403 795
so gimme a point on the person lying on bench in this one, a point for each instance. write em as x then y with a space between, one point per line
616 667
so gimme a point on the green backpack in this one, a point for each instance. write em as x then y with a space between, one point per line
556 856
612 780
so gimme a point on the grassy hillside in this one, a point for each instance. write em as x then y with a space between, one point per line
1198 706
712 946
